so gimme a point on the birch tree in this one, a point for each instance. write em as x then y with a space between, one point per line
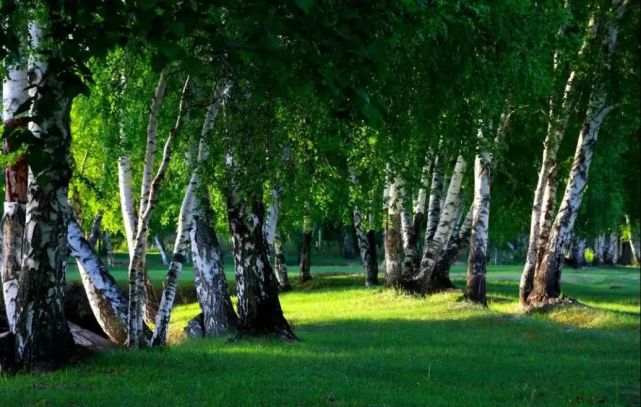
547 276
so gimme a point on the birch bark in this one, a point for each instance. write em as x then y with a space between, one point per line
477 261
42 337
547 276
14 94
545 192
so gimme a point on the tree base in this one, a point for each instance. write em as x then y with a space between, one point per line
544 304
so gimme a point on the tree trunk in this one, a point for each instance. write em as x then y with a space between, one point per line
545 192
598 250
634 260
306 247
457 244
218 316
107 301
14 94
420 205
136 272
42 337
109 249
370 266
436 192
279 264
609 254
96 231
429 279
547 275
259 310
477 261
178 258
163 254
393 237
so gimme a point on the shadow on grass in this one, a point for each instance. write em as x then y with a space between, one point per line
482 360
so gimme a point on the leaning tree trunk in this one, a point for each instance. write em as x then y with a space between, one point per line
136 337
370 266
393 236
178 257
150 300
218 316
455 247
107 301
306 247
477 261
259 309
161 250
408 234
545 192
429 279
14 94
547 276
42 338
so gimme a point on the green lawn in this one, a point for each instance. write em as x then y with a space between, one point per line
374 347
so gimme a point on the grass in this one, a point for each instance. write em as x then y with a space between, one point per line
364 346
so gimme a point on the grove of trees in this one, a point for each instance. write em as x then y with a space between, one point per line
418 132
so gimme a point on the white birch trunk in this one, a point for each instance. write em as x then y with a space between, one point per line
161 249
477 261
393 235
420 203
427 280
547 276
107 301
436 192
136 274
42 335
545 192
14 94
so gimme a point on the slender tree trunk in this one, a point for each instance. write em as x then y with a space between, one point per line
259 310
14 94
96 231
218 316
598 250
436 192
545 192
457 244
108 249
633 251
370 266
279 264
477 261
429 279
163 254
420 205
393 236
178 258
306 247
548 273
135 332
107 301
43 339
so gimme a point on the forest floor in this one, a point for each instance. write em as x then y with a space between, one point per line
371 346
